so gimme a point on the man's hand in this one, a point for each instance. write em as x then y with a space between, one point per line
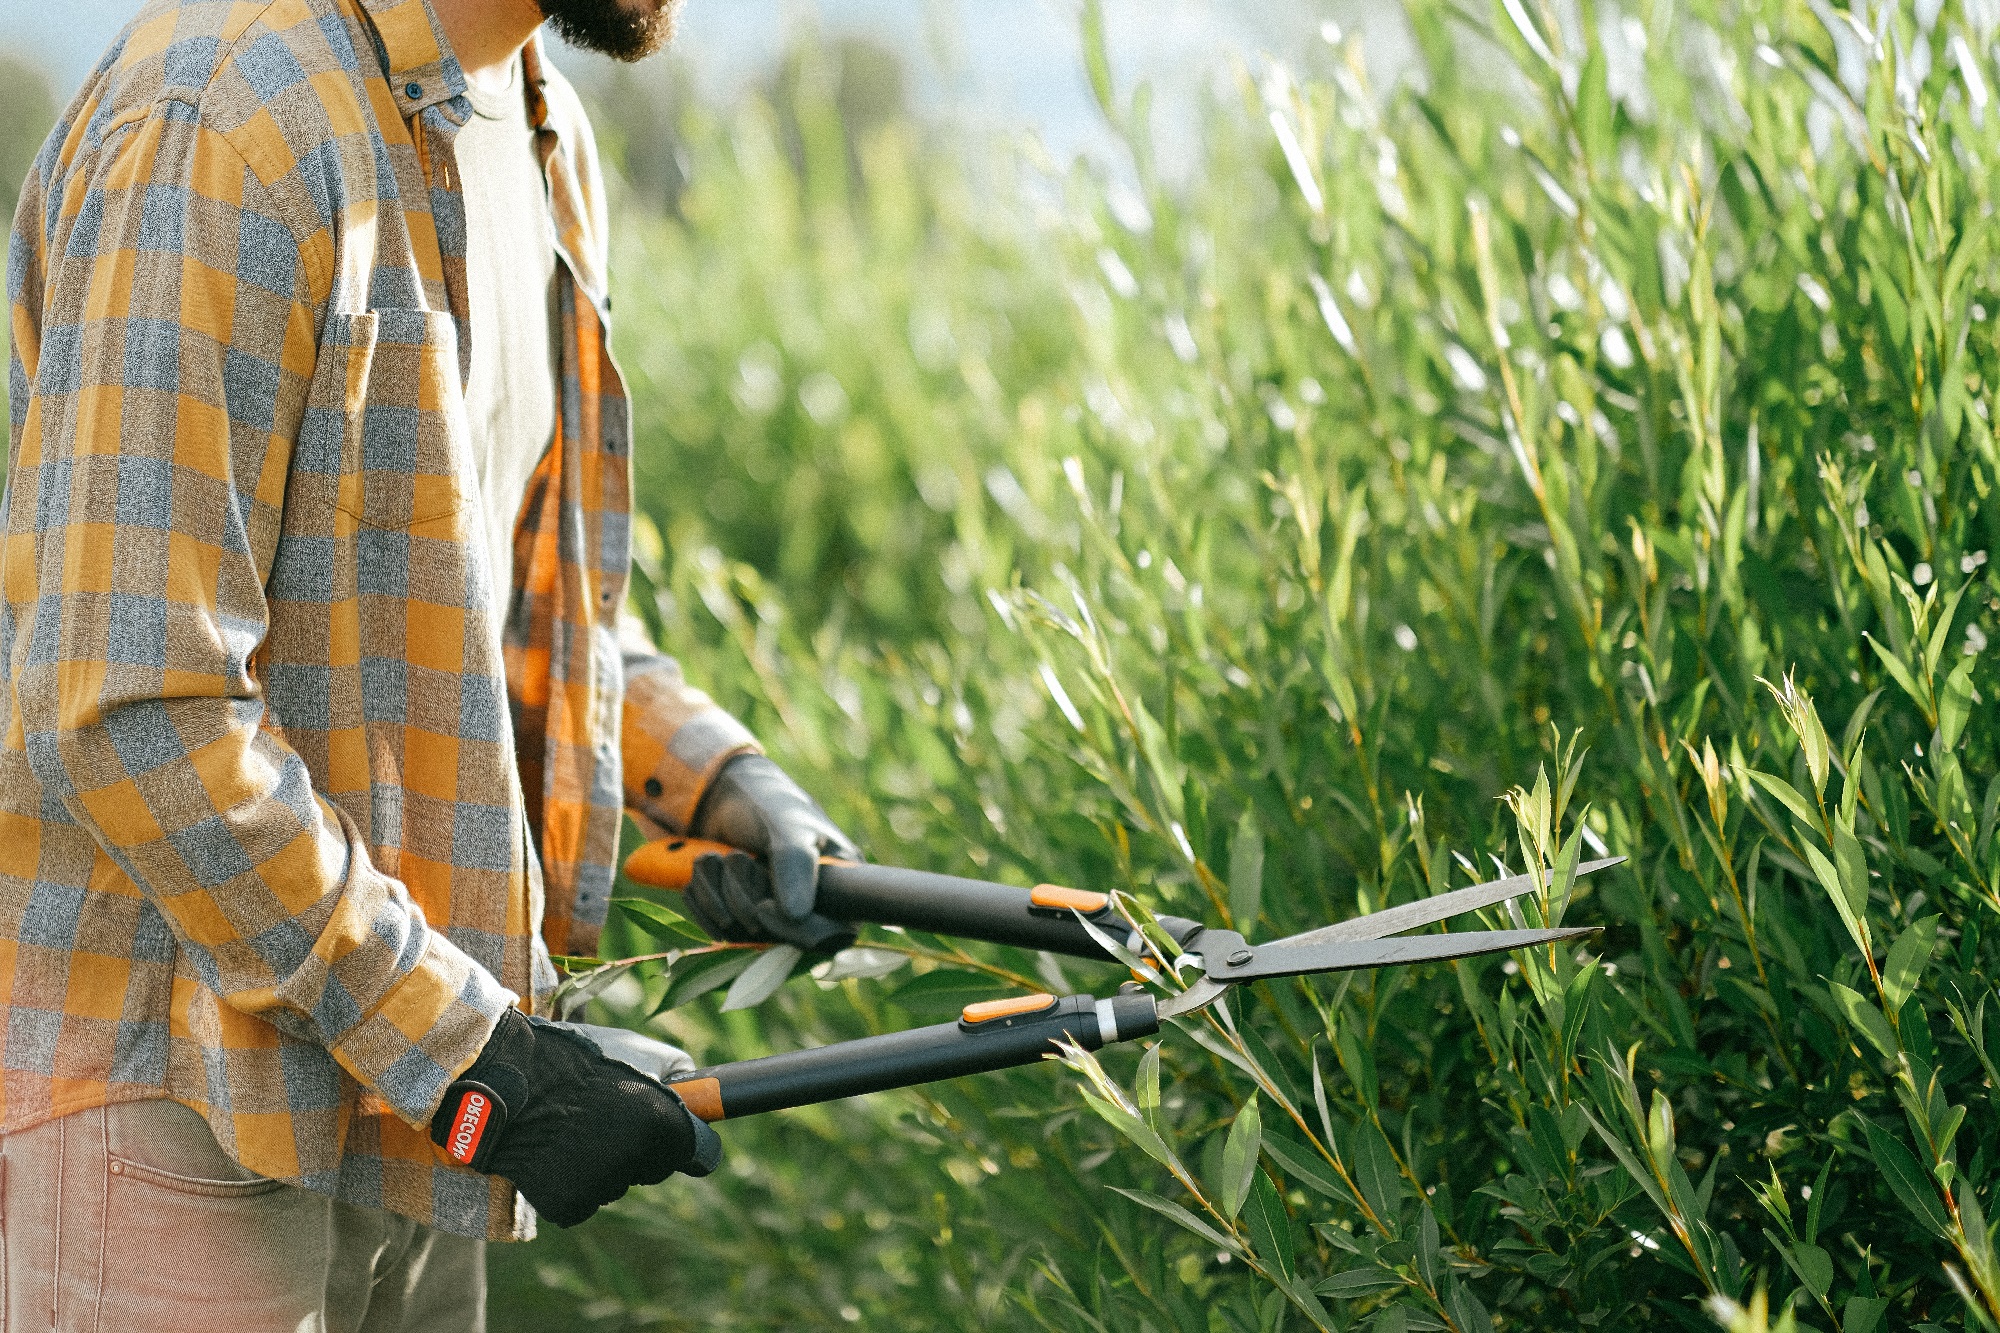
573 1115
752 805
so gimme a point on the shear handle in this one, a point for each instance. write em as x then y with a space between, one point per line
1043 917
998 1035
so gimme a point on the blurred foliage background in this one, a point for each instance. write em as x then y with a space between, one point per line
1578 439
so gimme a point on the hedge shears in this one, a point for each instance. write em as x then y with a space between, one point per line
1019 1030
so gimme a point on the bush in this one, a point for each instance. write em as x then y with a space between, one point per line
1598 419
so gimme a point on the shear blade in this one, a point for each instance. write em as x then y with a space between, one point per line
1427 911
1300 956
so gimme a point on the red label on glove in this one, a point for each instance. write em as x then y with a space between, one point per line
475 1112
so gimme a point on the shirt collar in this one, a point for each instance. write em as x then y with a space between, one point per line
537 81
421 68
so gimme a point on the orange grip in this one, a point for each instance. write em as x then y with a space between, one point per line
668 863
702 1097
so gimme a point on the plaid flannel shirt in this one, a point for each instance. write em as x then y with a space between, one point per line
277 756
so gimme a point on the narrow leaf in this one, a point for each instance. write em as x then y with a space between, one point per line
761 980
1866 1019
1907 958
1246 873
1239 1157
1173 1211
660 922
1788 794
1269 1225
1910 1182
1133 1128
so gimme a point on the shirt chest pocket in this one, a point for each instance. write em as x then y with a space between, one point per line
404 450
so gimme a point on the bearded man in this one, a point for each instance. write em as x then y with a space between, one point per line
319 710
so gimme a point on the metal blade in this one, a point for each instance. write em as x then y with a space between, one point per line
1299 956
1198 996
1395 920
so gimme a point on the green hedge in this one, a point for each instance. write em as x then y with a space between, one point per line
1608 402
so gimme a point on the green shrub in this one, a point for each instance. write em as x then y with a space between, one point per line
1608 400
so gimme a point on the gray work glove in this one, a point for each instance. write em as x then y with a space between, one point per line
753 806
655 1059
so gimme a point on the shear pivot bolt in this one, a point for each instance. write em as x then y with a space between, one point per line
1239 958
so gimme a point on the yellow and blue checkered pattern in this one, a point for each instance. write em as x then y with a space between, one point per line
277 757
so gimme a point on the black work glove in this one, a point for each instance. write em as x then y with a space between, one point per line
571 1127
752 805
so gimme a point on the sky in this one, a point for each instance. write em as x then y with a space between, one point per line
1007 63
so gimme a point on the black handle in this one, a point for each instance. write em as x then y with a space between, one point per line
998 1035
1041 918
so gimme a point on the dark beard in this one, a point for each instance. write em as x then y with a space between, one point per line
625 30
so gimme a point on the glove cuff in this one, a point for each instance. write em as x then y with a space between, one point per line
472 1118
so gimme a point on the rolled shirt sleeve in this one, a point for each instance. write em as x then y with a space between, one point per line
168 391
675 738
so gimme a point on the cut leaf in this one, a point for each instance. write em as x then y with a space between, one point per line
763 978
660 922
695 975
861 964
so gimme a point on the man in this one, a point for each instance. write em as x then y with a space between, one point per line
315 548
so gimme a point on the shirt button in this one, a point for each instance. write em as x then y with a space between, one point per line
413 91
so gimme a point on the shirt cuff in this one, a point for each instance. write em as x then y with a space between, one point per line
428 1029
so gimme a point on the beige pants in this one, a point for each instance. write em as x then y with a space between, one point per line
131 1219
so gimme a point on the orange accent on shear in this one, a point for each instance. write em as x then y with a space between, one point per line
1013 1007
1055 895
668 863
702 1097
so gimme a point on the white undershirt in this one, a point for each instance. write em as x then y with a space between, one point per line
510 273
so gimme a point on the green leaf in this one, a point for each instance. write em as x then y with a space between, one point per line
1430 1260
1907 958
1852 863
1829 879
1358 1282
1357 1060
763 978
1954 706
1934 650
1909 1181
581 988
1269 1226
1899 672
1862 1313
1300 1164
1375 1171
1133 1128
1866 1019
1182 1217
1096 60
660 922
1246 873
1239 1157
695 975
1814 1267
1146 1088
1789 795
